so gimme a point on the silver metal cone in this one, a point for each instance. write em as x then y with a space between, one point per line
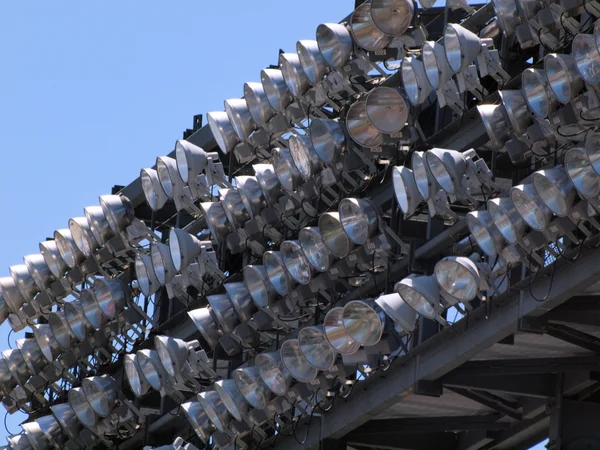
296 363
336 333
316 348
232 398
101 393
252 387
215 409
362 322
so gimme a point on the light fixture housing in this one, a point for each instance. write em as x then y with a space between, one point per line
314 248
398 310
536 89
360 129
422 294
154 193
296 262
173 353
333 234
101 394
276 89
405 189
162 264
83 236
145 275
507 219
234 207
232 398
529 204
39 270
273 373
296 363
515 108
581 172
485 232
328 139
305 159
496 126
206 324
11 294
555 189
461 45
257 102
137 382
24 281
239 117
67 248
316 348
280 278
217 221
81 407
336 333
78 324
191 160
359 219
241 300
268 183
198 419
54 260
458 277
335 44
563 77
392 17
252 387
285 169
215 409
183 247
118 210
222 130
252 194
365 32
414 79
387 109
363 322
151 368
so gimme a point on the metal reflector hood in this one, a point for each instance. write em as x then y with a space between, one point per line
335 44
365 32
222 130
393 17
257 102
336 333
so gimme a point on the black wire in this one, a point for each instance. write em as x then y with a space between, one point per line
545 297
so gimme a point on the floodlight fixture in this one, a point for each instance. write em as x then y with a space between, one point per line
268 183
191 160
426 183
39 270
458 278
592 148
286 170
336 333
360 129
496 126
555 189
234 207
223 311
296 363
462 47
198 419
414 80
44 337
581 172
252 194
563 77
276 90
11 294
335 44
16 365
435 64
333 234
531 207
405 189
78 324
217 221
328 139
241 300
232 398
222 130
98 224
422 293
485 232
257 102
67 248
387 109
392 17
449 168
83 236
507 219
112 295
587 57
19 442
316 251
65 416
34 433
145 275
91 309
82 408
359 219
101 393
273 373
365 32
296 262
173 353
162 264
215 409
52 430
303 155
24 280
7 381
118 210
280 278
313 64
539 96
31 354
293 73
515 107
399 311
184 248
252 386
206 324
154 193
137 382
316 348
61 330
239 117
508 15
364 322
54 260
151 368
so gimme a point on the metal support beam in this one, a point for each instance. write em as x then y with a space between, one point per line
430 424
491 401
438 441
575 337
532 385
506 367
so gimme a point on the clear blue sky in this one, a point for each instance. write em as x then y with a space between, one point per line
91 92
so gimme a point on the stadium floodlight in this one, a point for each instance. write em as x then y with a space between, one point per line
363 322
152 369
217 221
34 433
52 431
485 232
54 260
305 159
387 109
392 17
293 73
232 398
286 170
162 264
414 80
118 210
4 309
328 139
184 248
239 117
145 275
333 234
258 103
24 281
426 183
582 174
313 64
98 224
316 251
563 77
173 185
515 107
399 311
507 219
61 330
335 44
449 168
154 193
17 366
365 32
268 182
241 300
539 96
592 148
360 129
234 207
296 363
11 294
439 75
198 419
137 382
296 262
67 248
31 354
358 218
191 160
7 381
458 278
555 189
222 130
111 295
422 293
83 236
91 309
252 194
82 408
66 418
405 189
78 324
531 207
336 333
18 442
206 324
39 270
508 15
215 409
273 373
173 353
44 337
316 348
223 312
276 90
252 386
101 393
280 278
496 126
587 57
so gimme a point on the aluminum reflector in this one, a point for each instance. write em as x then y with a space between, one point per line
234 207
217 221
328 139
66 418
61 330
154 193
359 127
587 58
222 130
215 409
56 264
555 189
333 234
139 385
285 169
239 117
191 160
83 236
295 261
91 309
258 285
293 74
24 281
335 44
252 387
252 194
173 353
386 109
78 324
435 64
151 368
405 189
414 80
206 325
258 103
272 371
232 398
45 339
458 277
17 366
198 420
399 311
336 333
563 77
359 219
364 30
184 248
82 409
276 89
592 149
314 248
296 363
581 173
11 294
529 204
507 219
101 393
118 211
462 47
39 270
540 98
144 271
422 294
426 184
484 231
515 108
278 275
241 300
223 311
162 262
362 322
67 248
508 17
32 355
311 60
52 431
98 224
494 121
268 182
304 157
316 348
392 17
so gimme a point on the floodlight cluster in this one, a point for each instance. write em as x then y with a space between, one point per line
273 257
